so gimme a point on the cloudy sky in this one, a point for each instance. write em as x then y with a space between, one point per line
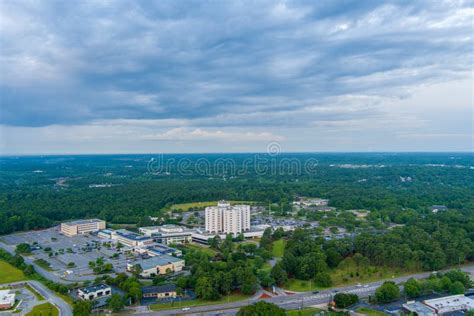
230 76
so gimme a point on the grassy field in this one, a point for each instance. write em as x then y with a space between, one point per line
278 248
370 312
266 267
307 311
46 309
9 273
186 206
301 285
342 277
199 302
211 252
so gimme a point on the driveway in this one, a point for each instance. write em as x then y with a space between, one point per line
64 308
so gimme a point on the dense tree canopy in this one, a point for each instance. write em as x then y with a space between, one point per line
261 308
344 300
387 292
38 192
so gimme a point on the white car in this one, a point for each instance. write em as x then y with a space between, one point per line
185 308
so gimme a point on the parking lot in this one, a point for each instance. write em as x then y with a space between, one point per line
79 250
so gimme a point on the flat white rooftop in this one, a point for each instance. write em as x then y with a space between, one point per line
83 221
451 303
7 298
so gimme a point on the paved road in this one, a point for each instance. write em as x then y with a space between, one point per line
64 308
295 301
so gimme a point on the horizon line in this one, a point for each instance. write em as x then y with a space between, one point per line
233 153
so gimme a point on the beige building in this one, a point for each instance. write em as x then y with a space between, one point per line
157 265
227 219
160 291
82 226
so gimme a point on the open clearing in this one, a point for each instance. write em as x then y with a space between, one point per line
43 310
278 248
207 250
186 206
9 273
342 277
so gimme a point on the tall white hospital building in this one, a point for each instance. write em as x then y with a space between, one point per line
227 219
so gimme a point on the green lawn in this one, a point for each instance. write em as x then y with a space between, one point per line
199 302
342 277
9 273
46 309
278 248
370 312
186 206
266 267
211 252
301 285
307 311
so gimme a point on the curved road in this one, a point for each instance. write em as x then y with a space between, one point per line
63 307
294 301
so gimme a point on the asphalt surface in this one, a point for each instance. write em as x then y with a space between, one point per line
64 308
81 271
294 301
30 260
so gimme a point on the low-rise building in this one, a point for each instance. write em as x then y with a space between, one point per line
450 304
158 250
305 202
105 233
202 237
159 291
157 265
131 239
418 309
7 299
438 208
83 226
93 292
168 234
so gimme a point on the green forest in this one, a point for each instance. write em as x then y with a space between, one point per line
399 233
38 192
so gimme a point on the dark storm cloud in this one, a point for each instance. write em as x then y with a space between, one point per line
219 63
